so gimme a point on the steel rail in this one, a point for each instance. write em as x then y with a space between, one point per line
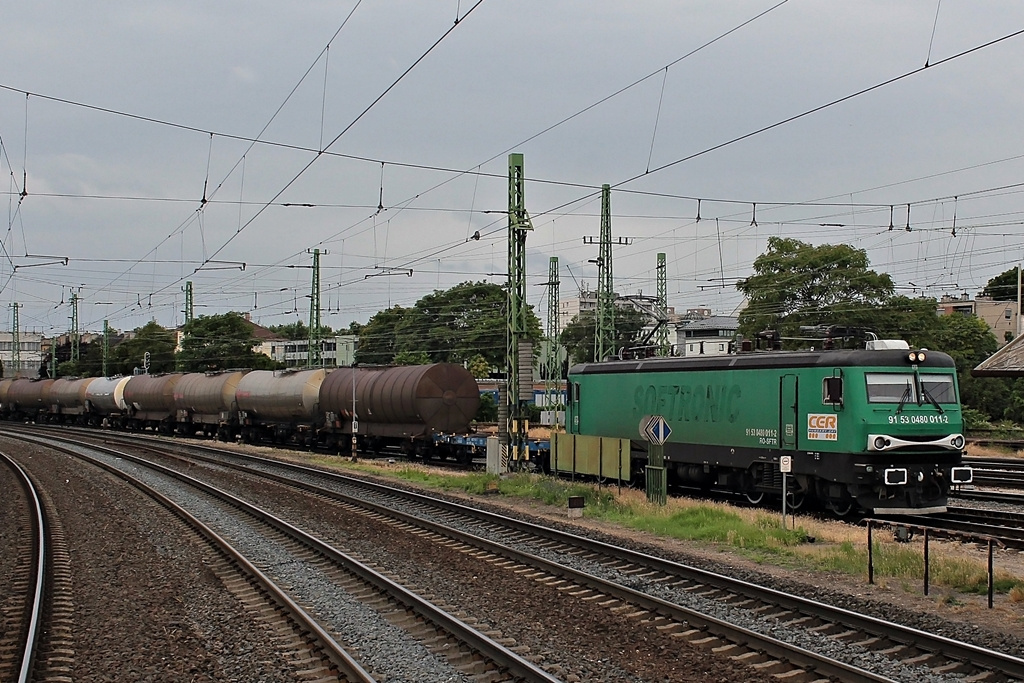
796 656
35 612
489 648
346 664
952 649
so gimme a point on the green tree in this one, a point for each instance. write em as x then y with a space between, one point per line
299 330
377 337
478 366
913 319
218 342
457 324
411 358
453 326
1002 287
488 411
153 338
795 284
578 335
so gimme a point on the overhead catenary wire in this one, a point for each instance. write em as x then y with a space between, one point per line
766 207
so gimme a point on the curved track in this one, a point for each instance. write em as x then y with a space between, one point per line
468 649
661 591
24 604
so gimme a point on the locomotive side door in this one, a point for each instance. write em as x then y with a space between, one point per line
788 385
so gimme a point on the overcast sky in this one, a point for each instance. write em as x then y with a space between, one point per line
137 111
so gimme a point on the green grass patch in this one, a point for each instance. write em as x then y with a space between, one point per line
758 535
714 524
906 563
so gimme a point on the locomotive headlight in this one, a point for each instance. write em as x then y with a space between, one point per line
880 443
916 356
957 441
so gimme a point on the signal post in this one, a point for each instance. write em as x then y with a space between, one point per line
655 429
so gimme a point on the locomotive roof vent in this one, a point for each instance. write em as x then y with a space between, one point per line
887 345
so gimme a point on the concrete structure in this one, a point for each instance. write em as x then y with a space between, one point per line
31 353
703 334
335 352
1002 317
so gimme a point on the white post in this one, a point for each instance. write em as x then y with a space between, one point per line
784 477
1018 301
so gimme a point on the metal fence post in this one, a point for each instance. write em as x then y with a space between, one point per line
991 578
871 557
926 561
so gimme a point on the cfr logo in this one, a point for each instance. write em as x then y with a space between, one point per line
821 421
822 427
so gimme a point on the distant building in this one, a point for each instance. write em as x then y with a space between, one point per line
335 352
30 346
1000 316
700 333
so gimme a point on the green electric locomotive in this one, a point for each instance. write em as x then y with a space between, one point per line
875 429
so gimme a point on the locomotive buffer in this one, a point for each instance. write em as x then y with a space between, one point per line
655 429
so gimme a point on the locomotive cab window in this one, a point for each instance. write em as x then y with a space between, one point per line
891 387
832 391
939 387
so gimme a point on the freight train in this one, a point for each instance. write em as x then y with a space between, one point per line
393 407
877 429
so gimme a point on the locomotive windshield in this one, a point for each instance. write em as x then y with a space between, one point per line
939 388
902 388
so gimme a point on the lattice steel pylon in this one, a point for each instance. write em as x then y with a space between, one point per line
662 339
313 356
106 346
552 364
189 303
15 339
604 332
519 225
75 338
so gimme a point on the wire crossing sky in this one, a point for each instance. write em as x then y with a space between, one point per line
149 145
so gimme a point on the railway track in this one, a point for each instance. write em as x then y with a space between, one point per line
1007 528
777 631
372 598
1003 473
23 605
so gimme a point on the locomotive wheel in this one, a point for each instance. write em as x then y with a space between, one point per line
755 497
841 508
795 501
